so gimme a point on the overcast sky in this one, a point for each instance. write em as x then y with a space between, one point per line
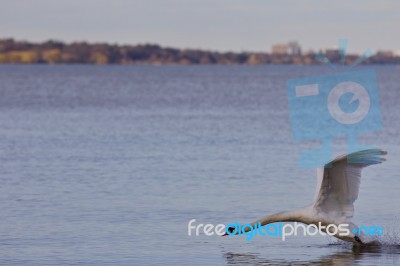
252 25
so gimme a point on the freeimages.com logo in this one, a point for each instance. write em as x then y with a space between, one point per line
343 104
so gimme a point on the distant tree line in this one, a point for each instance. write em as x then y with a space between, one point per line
56 52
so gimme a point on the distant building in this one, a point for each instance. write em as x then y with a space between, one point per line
309 52
385 54
294 48
332 52
280 49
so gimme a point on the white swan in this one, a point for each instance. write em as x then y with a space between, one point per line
337 188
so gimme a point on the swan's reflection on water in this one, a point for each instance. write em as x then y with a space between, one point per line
353 255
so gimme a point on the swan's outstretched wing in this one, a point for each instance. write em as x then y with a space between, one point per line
339 182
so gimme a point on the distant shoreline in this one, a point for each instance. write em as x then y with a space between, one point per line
56 52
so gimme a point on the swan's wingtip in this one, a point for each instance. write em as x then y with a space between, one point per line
367 157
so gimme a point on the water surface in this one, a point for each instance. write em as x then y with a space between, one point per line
106 165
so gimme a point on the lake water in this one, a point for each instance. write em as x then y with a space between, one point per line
106 165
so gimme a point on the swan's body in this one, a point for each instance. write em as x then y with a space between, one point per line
337 189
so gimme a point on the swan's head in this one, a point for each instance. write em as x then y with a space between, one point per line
239 229
232 231
246 230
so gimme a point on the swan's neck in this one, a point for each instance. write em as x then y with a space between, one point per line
286 216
